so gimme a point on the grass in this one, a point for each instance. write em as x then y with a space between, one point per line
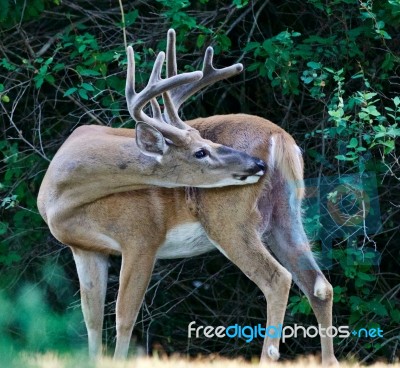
55 361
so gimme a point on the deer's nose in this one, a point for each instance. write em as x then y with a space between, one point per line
261 164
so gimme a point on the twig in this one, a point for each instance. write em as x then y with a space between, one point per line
392 358
263 5
240 17
380 347
26 42
20 135
80 105
47 45
123 23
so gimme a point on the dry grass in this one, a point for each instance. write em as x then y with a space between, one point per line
53 361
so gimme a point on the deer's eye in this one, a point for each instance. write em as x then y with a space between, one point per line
201 153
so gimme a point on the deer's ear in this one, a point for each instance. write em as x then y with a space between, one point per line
150 141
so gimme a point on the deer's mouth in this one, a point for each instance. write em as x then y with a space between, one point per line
258 169
242 177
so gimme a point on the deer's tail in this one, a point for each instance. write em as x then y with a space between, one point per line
286 156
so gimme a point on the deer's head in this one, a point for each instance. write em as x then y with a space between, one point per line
183 155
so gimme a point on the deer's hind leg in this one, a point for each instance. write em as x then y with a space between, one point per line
289 243
238 238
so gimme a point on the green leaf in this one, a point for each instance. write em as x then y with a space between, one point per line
369 95
70 91
240 3
395 314
43 70
366 276
254 66
344 158
115 108
356 301
252 45
130 18
87 86
7 65
268 46
353 143
59 66
307 80
10 258
200 40
39 81
384 34
88 72
371 110
329 70
314 65
357 75
83 94
378 308
224 41
393 132
304 306
49 61
389 146
49 78
336 113
107 56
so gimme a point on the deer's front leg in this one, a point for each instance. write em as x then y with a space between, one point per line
243 246
136 269
92 270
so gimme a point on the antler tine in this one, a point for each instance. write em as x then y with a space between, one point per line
155 87
171 54
171 113
210 74
155 108
130 75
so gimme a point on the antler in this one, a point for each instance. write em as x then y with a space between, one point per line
175 88
210 74
155 87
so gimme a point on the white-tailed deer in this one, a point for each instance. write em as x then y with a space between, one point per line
105 194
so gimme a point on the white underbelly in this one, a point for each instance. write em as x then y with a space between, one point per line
186 240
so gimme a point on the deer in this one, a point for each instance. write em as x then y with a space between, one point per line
174 189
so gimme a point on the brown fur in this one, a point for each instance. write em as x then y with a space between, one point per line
138 221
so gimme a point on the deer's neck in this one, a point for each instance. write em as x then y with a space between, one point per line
87 168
